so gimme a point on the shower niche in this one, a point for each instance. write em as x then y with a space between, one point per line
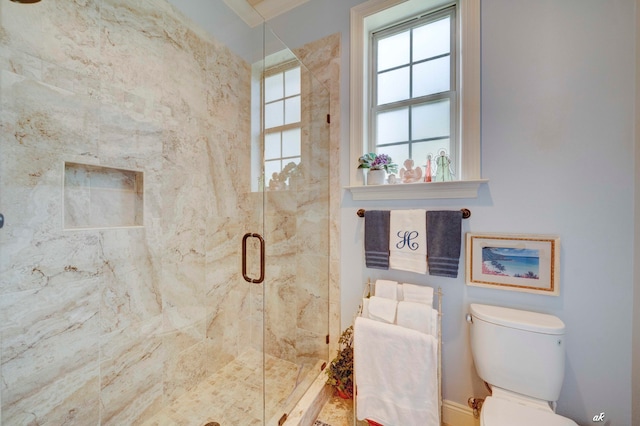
102 197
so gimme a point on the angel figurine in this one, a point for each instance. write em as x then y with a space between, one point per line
443 168
408 174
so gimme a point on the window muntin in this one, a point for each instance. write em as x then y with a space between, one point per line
413 94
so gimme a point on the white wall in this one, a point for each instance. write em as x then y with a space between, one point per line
558 149
558 123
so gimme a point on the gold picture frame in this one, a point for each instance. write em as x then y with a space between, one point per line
518 262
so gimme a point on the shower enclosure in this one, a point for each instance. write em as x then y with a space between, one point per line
152 173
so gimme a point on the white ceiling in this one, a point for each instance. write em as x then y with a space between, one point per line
235 23
266 9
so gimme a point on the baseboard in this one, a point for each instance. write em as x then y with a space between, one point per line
454 414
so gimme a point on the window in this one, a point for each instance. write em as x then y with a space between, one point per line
411 97
413 102
282 124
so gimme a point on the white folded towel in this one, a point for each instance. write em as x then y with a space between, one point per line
396 374
386 288
418 293
416 316
382 309
408 240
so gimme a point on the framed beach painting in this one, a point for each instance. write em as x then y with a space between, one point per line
529 263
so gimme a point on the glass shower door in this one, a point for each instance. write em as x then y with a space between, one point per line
295 293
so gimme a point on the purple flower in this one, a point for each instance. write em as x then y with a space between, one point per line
377 162
381 160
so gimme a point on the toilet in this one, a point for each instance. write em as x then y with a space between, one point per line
520 355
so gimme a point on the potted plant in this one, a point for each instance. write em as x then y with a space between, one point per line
378 165
340 370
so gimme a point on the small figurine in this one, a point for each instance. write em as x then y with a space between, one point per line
427 169
408 174
443 168
275 183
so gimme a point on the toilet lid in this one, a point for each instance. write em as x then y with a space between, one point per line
502 412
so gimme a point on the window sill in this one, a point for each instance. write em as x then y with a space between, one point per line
418 191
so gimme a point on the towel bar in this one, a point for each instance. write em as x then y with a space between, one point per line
466 213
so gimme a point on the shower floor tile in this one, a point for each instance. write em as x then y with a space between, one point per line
233 395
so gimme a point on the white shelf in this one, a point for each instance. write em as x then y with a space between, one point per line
418 191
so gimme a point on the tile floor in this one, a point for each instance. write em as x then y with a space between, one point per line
233 395
337 412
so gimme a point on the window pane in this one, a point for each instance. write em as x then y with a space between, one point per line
271 167
392 126
394 51
292 82
431 77
273 114
430 120
288 161
291 143
432 39
422 149
393 86
273 88
398 153
272 145
292 110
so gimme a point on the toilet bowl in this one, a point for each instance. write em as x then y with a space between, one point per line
520 355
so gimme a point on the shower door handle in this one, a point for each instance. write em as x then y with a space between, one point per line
244 258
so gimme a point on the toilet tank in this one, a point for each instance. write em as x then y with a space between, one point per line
517 350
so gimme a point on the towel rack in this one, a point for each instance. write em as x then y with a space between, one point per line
466 213
367 293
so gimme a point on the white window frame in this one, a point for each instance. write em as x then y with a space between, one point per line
282 69
365 18
420 20
281 59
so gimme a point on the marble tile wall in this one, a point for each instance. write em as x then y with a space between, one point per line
107 325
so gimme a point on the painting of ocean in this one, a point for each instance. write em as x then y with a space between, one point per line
511 262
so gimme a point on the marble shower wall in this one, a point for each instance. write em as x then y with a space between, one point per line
105 326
